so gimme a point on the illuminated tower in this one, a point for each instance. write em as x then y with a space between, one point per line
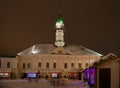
59 32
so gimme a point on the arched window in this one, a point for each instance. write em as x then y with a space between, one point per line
54 65
8 64
28 65
39 64
47 65
72 65
65 65
86 64
24 65
79 65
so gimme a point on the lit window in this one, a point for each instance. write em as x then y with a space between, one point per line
8 65
65 65
54 65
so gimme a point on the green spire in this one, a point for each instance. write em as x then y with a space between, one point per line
60 22
60 19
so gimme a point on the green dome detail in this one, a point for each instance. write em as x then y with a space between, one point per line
60 22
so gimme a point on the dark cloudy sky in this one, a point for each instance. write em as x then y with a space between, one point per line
94 24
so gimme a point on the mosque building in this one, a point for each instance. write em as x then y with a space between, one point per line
58 59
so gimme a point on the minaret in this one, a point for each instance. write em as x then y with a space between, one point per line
59 32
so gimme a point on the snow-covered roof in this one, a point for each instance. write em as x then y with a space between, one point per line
49 48
105 58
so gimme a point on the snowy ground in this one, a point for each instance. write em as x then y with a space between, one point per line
42 83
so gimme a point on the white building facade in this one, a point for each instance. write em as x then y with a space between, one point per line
60 58
8 66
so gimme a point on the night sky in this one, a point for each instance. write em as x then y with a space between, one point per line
94 24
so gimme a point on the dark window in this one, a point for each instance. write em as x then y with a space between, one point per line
65 65
54 65
39 64
17 65
60 51
24 65
28 65
72 65
79 65
86 64
8 65
47 65
0 63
